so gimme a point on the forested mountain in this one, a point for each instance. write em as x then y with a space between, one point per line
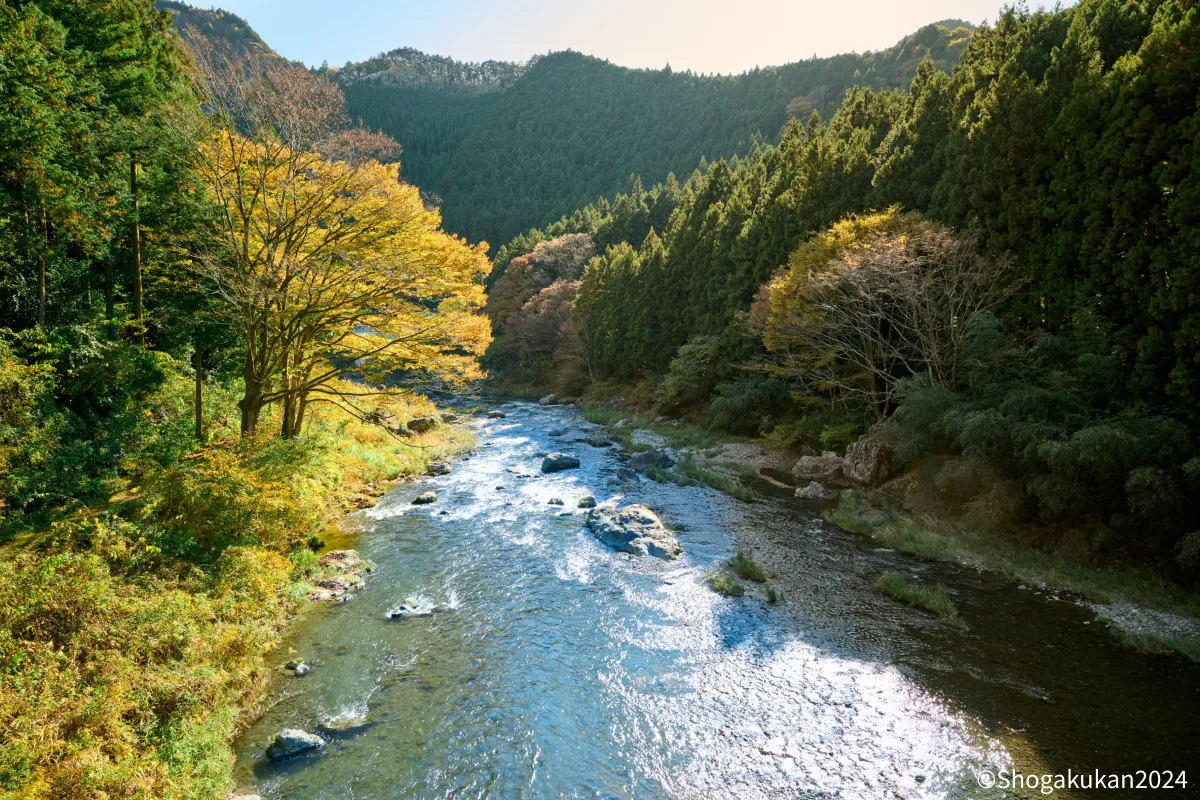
507 146
214 24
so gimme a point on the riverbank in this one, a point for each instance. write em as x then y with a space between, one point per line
1140 608
143 622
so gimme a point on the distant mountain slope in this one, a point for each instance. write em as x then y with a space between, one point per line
215 24
510 146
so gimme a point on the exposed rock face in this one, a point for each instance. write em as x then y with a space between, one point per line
436 468
422 424
816 496
870 461
496 415
549 400
651 458
828 469
633 529
587 502
557 462
292 742
425 498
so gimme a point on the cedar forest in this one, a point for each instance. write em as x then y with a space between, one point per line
222 281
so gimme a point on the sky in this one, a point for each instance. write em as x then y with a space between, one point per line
726 36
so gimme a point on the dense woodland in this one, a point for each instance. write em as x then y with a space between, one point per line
1063 147
509 146
196 246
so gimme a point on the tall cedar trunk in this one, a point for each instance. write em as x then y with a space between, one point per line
137 251
199 394
109 300
41 259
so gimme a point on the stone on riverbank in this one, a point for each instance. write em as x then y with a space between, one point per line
651 458
436 468
633 529
870 462
549 400
340 572
827 469
425 498
557 462
292 742
422 424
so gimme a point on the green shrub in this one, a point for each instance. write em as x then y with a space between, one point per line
747 568
839 436
725 585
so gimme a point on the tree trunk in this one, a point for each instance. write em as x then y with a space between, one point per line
109 301
252 401
41 259
199 394
137 251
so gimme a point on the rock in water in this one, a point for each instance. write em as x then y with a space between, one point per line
292 742
422 424
549 400
344 724
651 458
411 607
436 468
587 502
633 529
425 498
555 501
496 415
557 462
816 496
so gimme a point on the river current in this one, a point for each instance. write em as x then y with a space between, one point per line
555 667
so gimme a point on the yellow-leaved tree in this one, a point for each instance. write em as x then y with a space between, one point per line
328 264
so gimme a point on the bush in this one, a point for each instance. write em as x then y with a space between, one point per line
724 585
747 569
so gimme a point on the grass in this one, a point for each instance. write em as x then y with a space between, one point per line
720 481
936 599
724 585
772 594
941 540
747 568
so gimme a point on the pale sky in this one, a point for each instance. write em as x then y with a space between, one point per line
703 35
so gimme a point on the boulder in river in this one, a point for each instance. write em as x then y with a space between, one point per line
344 724
411 607
292 742
299 667
557 462
496 415
587 502
633 529
597 441
815 495
436 468
422 424
555 501
549 400
425 498
651 458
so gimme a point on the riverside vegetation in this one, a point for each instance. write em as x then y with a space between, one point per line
216 295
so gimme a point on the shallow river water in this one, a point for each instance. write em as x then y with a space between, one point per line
562 669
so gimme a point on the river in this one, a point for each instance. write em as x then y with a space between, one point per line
559 668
